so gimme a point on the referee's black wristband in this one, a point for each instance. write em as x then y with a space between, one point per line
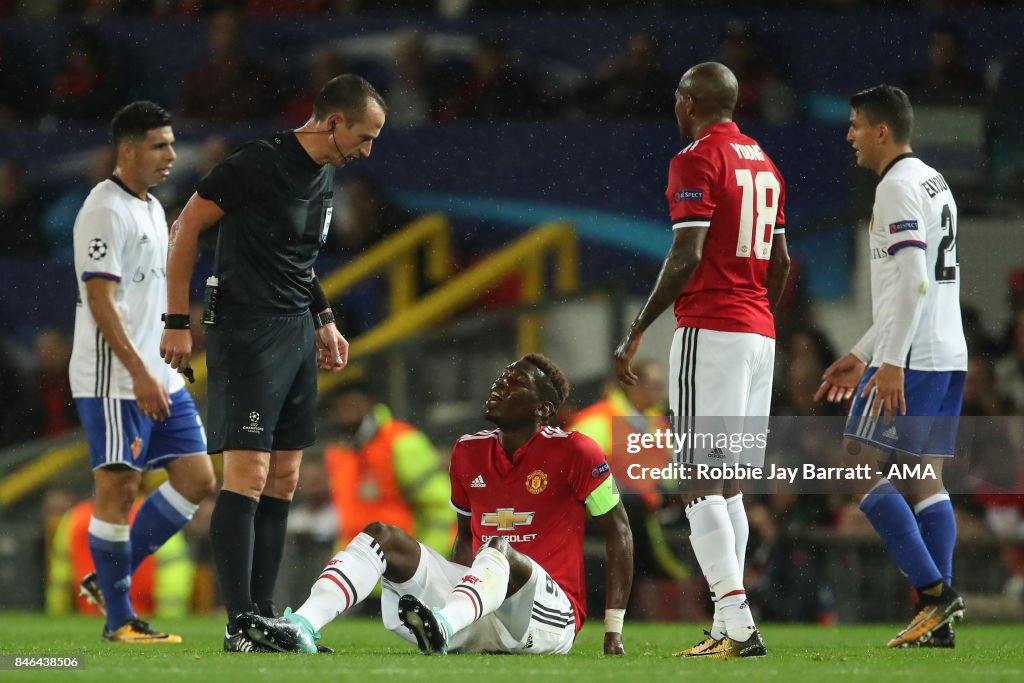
175 321
320 301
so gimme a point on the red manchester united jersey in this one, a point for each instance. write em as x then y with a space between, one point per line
725 182
536 500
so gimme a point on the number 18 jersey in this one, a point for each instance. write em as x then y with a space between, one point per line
914 209
725 182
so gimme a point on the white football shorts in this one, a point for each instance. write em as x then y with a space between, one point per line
720 394
538 619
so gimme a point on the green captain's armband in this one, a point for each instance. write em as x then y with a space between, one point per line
603 498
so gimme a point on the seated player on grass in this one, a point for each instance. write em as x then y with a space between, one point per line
515 584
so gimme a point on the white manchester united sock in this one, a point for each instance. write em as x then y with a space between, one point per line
741 530
714 544
479 592
346 580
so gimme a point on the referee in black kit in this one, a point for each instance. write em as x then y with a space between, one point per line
273 199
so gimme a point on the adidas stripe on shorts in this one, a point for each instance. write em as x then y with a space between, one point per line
720 382
119 434
929 428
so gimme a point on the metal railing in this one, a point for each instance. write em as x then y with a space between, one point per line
395 256
527 254
407 315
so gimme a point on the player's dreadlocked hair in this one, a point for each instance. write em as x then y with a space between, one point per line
557 383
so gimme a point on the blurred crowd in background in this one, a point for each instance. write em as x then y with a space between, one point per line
431 80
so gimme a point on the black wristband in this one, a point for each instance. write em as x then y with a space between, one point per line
319 301
175 321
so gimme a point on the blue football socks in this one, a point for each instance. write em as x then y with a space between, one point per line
112 554
895 523
937 523
163 513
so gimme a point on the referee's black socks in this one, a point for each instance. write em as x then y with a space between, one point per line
271 524
231 537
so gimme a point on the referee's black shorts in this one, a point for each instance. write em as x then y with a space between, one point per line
262 382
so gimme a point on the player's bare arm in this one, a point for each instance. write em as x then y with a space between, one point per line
778 271
840 379
150 394
618 541
680 263
198 215
462 548
888 385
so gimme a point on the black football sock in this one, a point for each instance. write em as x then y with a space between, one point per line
271 524
231 537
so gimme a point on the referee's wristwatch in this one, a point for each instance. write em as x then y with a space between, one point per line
321 319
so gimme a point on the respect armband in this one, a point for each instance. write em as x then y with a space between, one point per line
175 321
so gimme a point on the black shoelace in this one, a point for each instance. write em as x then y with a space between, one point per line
142 627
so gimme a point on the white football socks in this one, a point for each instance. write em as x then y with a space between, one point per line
346 580
714 544
741 530
740 527
479 592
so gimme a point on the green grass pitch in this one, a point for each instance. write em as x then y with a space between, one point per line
366 652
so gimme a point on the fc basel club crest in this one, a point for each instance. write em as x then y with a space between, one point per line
136 447
536 481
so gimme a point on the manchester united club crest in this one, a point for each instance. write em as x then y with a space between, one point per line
136 447
536 481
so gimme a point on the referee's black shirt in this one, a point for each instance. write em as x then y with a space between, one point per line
276 202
